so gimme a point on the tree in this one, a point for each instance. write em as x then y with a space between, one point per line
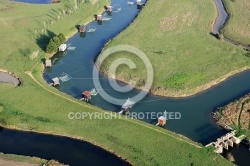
51 47
56 40
61 37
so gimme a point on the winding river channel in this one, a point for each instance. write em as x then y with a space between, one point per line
77 62
64 149
196 122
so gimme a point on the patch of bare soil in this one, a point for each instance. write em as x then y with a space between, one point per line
6 162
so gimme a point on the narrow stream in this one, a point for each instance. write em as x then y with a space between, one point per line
65 150
221 21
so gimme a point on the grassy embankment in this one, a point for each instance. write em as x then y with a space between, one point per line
238 25
174 34
41 108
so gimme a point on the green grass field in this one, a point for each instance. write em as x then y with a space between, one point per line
41 108
238 26
176 39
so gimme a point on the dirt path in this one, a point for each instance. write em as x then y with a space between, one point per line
6 162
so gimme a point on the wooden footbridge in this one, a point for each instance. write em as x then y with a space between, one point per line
225 141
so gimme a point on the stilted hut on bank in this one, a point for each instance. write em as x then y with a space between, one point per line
62 47
99 17
127 105
86 96
55 81
55 1
48 63
138 2
82 29
109 8
161 121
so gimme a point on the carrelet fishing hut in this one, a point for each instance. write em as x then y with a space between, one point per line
126 106
62 47
48 63
99 17
161 121
86 96
82 29
55 81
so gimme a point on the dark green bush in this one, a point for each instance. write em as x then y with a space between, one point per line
55 42
61 37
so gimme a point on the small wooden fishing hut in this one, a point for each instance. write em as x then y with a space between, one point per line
86 96
48 63
82 29
161 121
62 47
109 8
99 17
55 81
138 2
126 106
55 1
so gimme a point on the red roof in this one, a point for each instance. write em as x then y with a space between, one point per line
86 93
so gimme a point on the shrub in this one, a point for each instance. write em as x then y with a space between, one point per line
42 119
51 47
3 121
55 42
61 37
